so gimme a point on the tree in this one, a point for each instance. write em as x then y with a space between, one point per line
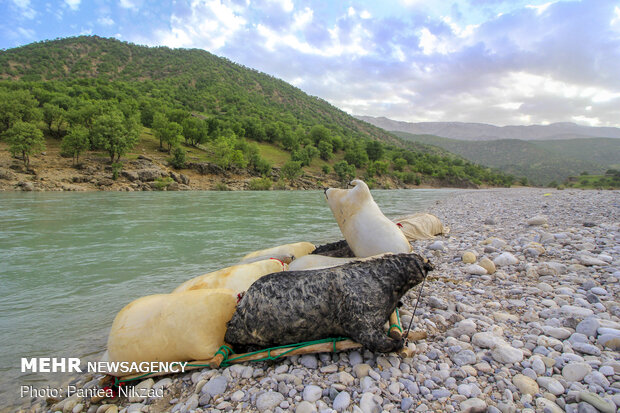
15 106
325 150
115 134
344 171
291 170
172 135
25 139
195 131
374 149
53 114
75 142
159 126
356 156
319 133
399 164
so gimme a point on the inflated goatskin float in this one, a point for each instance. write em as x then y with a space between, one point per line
316 262
171 327
367 231
237 278
291 251
421 226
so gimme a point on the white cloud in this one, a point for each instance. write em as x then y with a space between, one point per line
129 4
25 10
210 24
516 64
27 33
540 9
73 4
105 21
302 18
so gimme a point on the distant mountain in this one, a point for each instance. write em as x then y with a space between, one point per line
485 132
541 161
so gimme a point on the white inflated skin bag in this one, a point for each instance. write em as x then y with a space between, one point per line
171 327
237 278
367 231
293 251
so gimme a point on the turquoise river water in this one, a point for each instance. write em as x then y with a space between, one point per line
70 261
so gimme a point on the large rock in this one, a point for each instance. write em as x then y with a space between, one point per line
130 175
149 175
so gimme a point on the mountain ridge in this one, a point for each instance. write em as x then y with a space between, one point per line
485 132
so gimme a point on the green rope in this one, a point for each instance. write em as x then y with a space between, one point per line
226 352
398 325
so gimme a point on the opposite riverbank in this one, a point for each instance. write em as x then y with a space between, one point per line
532 323
148 169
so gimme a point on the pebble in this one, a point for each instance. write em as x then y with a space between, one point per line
505 259
305 407
437 246
526 385
468 257
309 361
589 326
368 404
474 269
551 384
537 220
601 404
342 401
216 386
312 393
269 400
141 388
487 340
576 371
361 370
507 354
473 405
488 265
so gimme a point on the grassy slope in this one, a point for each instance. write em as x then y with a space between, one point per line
540 161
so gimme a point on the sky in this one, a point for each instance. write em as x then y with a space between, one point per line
490 61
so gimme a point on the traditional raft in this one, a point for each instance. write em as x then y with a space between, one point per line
234 280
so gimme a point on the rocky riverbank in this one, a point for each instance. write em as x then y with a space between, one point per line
522 313
152 171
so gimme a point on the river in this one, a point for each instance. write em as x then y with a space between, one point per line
70 261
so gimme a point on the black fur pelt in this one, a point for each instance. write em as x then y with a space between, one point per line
352 300
338 249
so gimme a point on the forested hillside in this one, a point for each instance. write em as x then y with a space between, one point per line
89 95
541 162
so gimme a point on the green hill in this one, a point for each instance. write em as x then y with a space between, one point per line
541 162
195 100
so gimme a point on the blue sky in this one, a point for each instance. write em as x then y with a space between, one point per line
491 61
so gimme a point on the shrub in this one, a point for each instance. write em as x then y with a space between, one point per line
162 183
326 169
221 186
260 184
178 158
291 170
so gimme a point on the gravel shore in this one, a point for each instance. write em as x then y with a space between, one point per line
522 313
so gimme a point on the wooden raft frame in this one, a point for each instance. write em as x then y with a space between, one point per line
216 361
